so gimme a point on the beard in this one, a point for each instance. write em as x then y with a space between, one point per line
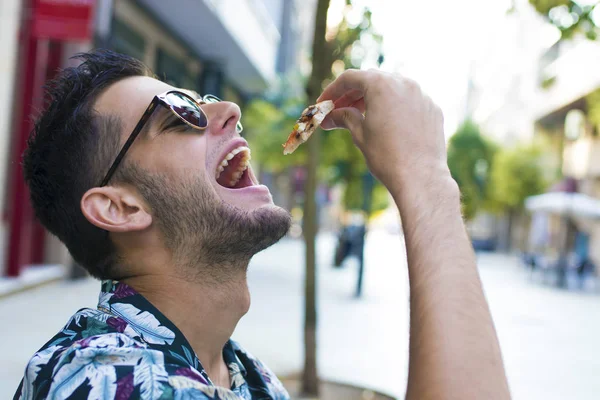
205 234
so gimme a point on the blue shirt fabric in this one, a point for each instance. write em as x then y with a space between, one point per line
127 349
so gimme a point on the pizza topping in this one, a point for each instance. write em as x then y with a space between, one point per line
309 120
308 114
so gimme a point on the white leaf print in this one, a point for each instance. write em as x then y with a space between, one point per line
153 357
68 378
189 394
144 323
105 385
33 368
179 382
226 394
96 314
237 379
88 313
95 363
104 298
151 377
114 340
185 389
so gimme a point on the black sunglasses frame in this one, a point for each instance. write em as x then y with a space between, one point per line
160 99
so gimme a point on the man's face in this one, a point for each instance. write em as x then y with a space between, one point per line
207 213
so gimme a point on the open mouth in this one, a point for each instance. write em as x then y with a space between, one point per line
233 171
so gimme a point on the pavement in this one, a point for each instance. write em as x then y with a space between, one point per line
550 338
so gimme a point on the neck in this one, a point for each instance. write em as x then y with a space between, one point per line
206 312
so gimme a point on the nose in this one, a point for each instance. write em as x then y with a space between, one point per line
222 117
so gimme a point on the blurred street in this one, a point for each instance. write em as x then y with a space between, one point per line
549 337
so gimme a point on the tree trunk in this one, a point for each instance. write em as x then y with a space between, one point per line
310 381
509 230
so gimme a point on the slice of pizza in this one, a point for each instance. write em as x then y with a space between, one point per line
308 122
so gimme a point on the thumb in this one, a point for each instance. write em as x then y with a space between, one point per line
346 117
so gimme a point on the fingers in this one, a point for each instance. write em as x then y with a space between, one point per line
353 98
349 81
360 105
347 118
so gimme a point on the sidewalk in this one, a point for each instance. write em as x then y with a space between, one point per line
360 341
550 338
31 277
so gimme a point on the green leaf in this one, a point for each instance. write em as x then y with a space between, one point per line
94 327
468 149
516 174
576 16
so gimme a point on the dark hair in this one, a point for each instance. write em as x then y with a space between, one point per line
70 149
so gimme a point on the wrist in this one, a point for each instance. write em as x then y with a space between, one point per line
426 189
434 178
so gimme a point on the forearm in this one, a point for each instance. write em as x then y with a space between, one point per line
454 351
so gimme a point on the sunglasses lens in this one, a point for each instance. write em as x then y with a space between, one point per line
209 98
187 109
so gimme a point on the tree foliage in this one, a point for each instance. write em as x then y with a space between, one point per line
515 175
569 16
266 126
470 157
269 120
593 111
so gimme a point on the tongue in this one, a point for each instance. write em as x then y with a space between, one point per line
227 175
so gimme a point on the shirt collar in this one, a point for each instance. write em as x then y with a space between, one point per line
136 316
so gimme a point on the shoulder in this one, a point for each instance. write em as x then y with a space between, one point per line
60 368
109 366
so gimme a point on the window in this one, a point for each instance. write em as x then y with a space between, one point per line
173 71
127 41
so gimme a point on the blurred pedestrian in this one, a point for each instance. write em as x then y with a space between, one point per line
351 238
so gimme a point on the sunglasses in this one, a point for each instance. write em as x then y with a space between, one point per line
184 106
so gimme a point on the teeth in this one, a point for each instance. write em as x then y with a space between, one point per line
243 165
219 170
235 178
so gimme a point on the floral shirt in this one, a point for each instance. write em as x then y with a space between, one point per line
127 349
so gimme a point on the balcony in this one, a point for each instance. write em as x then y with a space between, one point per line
238 34
574 71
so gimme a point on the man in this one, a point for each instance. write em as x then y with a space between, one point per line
151 191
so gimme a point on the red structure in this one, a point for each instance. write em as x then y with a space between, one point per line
47 25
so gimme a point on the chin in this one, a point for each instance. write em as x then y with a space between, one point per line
238 189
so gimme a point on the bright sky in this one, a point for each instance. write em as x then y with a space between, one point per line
435 41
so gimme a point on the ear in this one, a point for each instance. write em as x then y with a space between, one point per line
115 209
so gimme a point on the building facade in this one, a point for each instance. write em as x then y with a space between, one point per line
567 116
533 86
